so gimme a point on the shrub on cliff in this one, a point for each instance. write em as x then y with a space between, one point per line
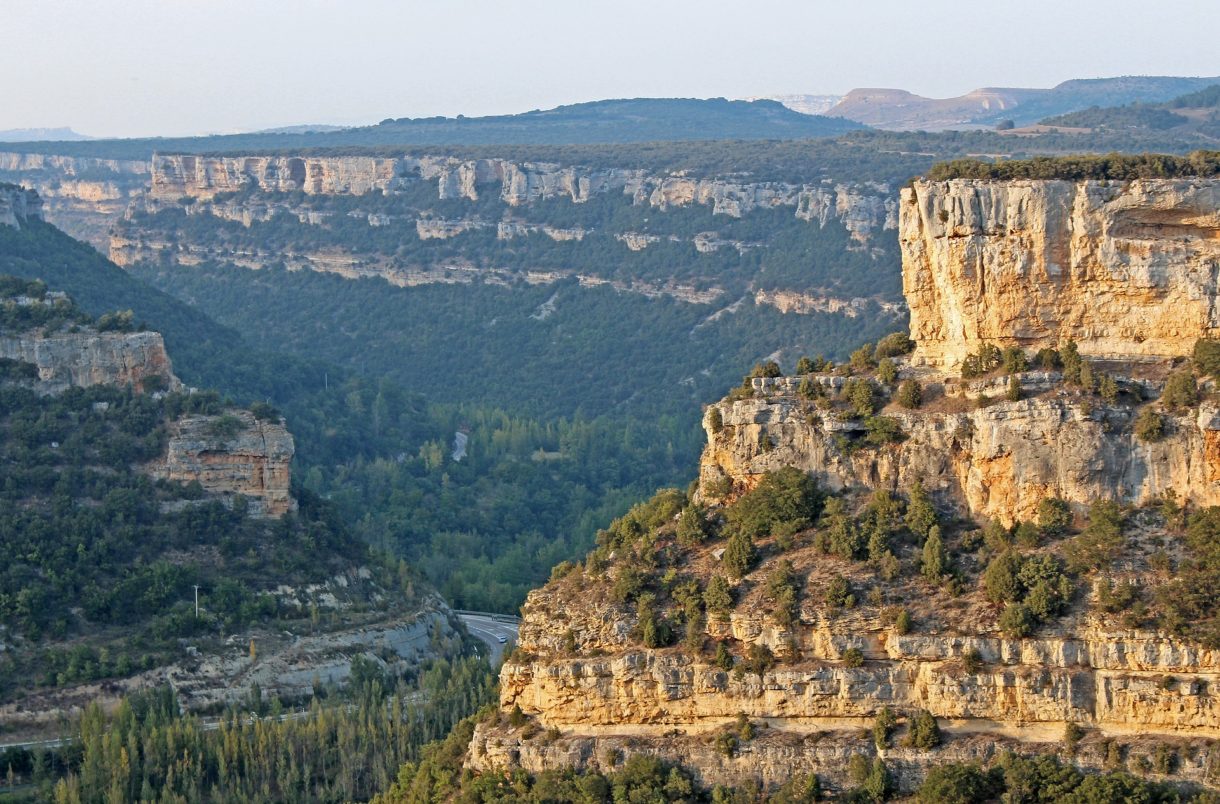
881 430
910 394
934 560
887 371
960 784
1054 517
1206 356
786 496
692 526
861 397
1181 391
1013 359
739 554
718 597
893 345
1149 425
923 732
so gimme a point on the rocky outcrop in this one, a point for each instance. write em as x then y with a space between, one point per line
234 454
997 461
581 672
1126 269
787 301
86 357
18 205
182 175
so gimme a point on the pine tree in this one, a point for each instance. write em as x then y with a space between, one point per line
933 560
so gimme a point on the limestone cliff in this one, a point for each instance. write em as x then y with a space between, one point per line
87 357
581 669
81 195
1127 269
235 454
996 461
18 205
865 209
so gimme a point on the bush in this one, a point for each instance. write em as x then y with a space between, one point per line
882 430
1016 621
692 526
860 396
893 345
972 660
1047 359
715 420
960 784
1013 393
883 726
924 732
853 657
862 358
1181 391
1054 517
718 597
921 513
887 372
739 554
1206 356
933 561
902 623
1149 425
910 394
1013 359
1000 583
786 496
838 594
724 659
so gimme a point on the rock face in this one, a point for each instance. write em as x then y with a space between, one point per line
864 209
18 205
87 357
581 670
81 195
178 175
232 454
1127 269
999 461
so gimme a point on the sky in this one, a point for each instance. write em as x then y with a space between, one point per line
176 67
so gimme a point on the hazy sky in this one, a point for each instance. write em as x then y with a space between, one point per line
138 67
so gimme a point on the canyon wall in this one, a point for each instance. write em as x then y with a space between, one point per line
997 461
232 454
1126 269
865 209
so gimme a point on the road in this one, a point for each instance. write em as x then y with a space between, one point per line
488 628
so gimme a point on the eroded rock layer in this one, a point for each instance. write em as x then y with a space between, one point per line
1126 269
996 461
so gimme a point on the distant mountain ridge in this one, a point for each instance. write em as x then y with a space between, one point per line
63 134
898 109
625 120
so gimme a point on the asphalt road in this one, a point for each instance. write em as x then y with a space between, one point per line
489 629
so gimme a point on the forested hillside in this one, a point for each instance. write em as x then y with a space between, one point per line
487 528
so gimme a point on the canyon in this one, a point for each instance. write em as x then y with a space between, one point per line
128 210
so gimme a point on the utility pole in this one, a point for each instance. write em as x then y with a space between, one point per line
196 601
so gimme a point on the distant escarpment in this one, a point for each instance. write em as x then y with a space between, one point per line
81 195
429 219
1124 268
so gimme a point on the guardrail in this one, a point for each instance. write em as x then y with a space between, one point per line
504 618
